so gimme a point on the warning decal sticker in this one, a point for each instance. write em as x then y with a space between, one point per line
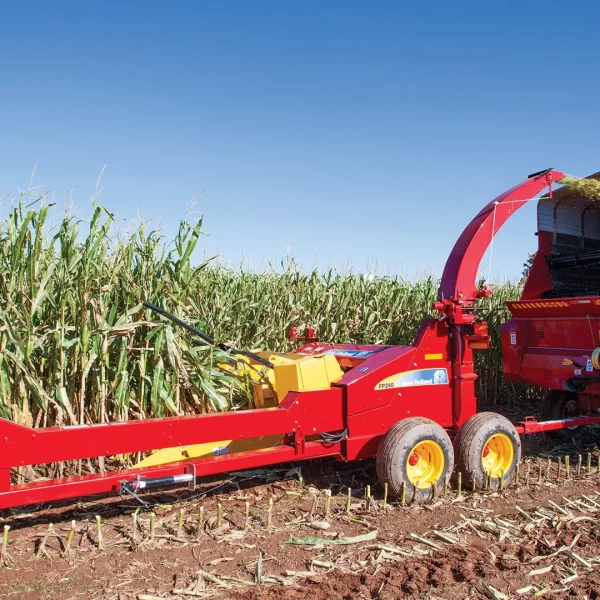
414 378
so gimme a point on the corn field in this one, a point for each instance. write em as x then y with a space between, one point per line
77 346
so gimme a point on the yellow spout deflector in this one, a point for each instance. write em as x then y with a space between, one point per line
291 372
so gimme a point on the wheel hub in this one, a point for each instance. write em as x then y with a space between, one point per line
497 455
425 464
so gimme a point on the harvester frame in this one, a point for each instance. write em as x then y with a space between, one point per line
406 405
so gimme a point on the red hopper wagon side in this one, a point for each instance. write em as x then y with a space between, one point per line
413 407
553 339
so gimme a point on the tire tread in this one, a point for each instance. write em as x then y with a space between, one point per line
464 439
388 453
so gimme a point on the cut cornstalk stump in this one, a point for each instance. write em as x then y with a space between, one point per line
548 467
385 495
259 566
327 503
501 483
42 547
368 498
270 514
70 536
403 496
313 508
180 523
459 485
559 460
539 471
517 473
589 462
99 530
446 485
4 555
200 520
579 464
349 501
219 515
567 466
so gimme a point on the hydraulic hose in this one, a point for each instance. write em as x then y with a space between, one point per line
208 339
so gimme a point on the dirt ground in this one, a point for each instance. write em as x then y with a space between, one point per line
536 538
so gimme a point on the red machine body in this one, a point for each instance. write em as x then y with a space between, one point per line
381 385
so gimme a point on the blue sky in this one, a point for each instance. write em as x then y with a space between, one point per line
352 133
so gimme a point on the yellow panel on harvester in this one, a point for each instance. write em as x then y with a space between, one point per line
291 372
307 373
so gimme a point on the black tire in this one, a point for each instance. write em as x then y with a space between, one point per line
471 441
396 448
561 405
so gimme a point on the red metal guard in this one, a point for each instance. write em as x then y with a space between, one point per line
298 416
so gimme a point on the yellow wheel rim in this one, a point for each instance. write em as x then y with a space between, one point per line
497 455
425 464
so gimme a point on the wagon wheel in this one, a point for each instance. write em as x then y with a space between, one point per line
487 445
418 454
562 405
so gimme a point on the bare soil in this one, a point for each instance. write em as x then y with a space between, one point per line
538 537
